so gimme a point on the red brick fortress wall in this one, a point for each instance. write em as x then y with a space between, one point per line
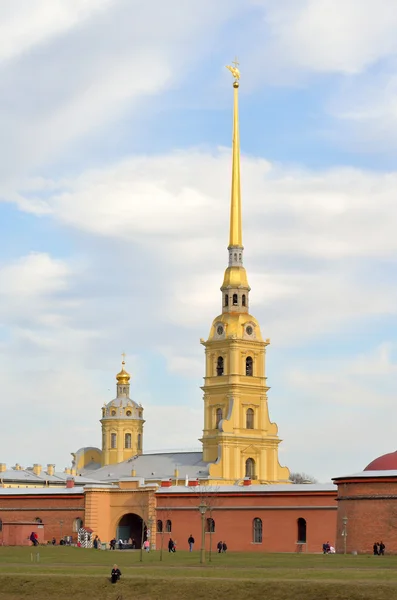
234 514
370 506
51 509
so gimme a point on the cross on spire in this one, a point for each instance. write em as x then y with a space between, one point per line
235 62
123 355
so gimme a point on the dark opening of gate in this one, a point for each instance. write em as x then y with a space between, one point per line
130 527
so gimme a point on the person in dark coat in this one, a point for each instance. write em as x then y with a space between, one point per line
170 545
190 541
219 547
115 574
224 547
381 548
376 549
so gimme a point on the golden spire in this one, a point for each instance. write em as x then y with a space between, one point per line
123 378
236 235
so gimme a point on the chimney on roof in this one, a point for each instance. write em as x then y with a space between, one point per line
176 473
17 467
3 467
50 469
247 481
67 471
36 469
133 473
69 482
73 472
193 483
166 483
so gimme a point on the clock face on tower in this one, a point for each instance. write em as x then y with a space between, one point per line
219 330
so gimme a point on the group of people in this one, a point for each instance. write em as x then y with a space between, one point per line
328 549
120 544
379 548
221 547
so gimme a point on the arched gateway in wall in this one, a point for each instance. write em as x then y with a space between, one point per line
130 526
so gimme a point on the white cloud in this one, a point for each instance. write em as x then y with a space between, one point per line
110 57
332 225
33 275
24 24
348 400
334 214
365 111
321 36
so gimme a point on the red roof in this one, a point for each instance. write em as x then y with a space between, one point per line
387 462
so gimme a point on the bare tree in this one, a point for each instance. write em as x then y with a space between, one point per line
208 495
302 478
166 514
142 503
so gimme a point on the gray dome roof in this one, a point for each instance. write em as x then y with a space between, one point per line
122 402
122 407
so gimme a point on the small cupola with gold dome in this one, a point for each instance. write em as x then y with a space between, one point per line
122 423
123 382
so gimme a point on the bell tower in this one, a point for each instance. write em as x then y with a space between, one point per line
238 437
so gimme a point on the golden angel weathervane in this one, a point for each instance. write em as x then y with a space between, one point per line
234 70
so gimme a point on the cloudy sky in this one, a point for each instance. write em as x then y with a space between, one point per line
115 120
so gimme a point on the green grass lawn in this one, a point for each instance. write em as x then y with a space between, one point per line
65 572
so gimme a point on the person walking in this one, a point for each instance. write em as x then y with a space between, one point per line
224 547
170 545
190 542
376 549
219 547
382 548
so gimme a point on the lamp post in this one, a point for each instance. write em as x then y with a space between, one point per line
344 533
203 509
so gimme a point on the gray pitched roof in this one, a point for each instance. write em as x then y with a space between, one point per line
154 466
26 491
27 477
262 489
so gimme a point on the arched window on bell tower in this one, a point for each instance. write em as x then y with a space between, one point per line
249 419
235 300
113 440
243 300
218 417
250 468
249 366
127 440
226 299
219 366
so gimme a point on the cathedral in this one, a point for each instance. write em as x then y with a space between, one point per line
239 440
234 487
